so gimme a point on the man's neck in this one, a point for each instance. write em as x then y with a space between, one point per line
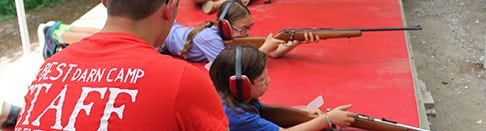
125 25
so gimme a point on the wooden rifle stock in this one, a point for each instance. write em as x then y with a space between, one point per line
284 116
324 33
256 41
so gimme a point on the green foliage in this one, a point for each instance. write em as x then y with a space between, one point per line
8 9
6 17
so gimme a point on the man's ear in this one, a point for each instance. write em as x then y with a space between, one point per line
166 13
103 2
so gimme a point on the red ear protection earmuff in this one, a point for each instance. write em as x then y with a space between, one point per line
224 25
240 85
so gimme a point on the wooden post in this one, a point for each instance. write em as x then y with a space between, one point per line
484 57
24 31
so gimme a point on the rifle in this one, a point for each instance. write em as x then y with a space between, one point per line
373 124
287 117
324 33
284 116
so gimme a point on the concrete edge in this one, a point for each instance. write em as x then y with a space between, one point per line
422 115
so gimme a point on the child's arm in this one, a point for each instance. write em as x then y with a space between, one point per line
276 48
338 116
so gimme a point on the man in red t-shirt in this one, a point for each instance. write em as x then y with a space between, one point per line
116 80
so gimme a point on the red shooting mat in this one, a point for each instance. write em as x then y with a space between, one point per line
372 71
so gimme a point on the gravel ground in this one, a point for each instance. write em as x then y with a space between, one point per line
449 55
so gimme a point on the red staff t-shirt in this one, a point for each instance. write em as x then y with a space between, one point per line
117 81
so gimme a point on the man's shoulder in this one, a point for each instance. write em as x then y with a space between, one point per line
171 63
160 60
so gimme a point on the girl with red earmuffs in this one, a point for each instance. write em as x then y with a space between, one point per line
239 74
203 43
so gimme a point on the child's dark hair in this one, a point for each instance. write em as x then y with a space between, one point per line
236 11
253 64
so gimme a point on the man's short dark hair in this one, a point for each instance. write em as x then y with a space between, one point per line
134 9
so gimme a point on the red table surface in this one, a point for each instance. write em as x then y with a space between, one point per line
372 72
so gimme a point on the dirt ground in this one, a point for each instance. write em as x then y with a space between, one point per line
67 12
448 56
448 53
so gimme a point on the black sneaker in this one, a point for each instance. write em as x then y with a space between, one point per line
8 115
50 44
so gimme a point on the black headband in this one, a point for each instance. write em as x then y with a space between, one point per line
238 71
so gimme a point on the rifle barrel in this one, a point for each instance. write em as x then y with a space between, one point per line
418 27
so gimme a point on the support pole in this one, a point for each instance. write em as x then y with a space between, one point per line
484 60
24 31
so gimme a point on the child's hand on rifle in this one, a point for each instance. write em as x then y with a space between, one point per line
270 44
341 117
276 48
310 37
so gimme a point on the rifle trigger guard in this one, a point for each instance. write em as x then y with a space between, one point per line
292 33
